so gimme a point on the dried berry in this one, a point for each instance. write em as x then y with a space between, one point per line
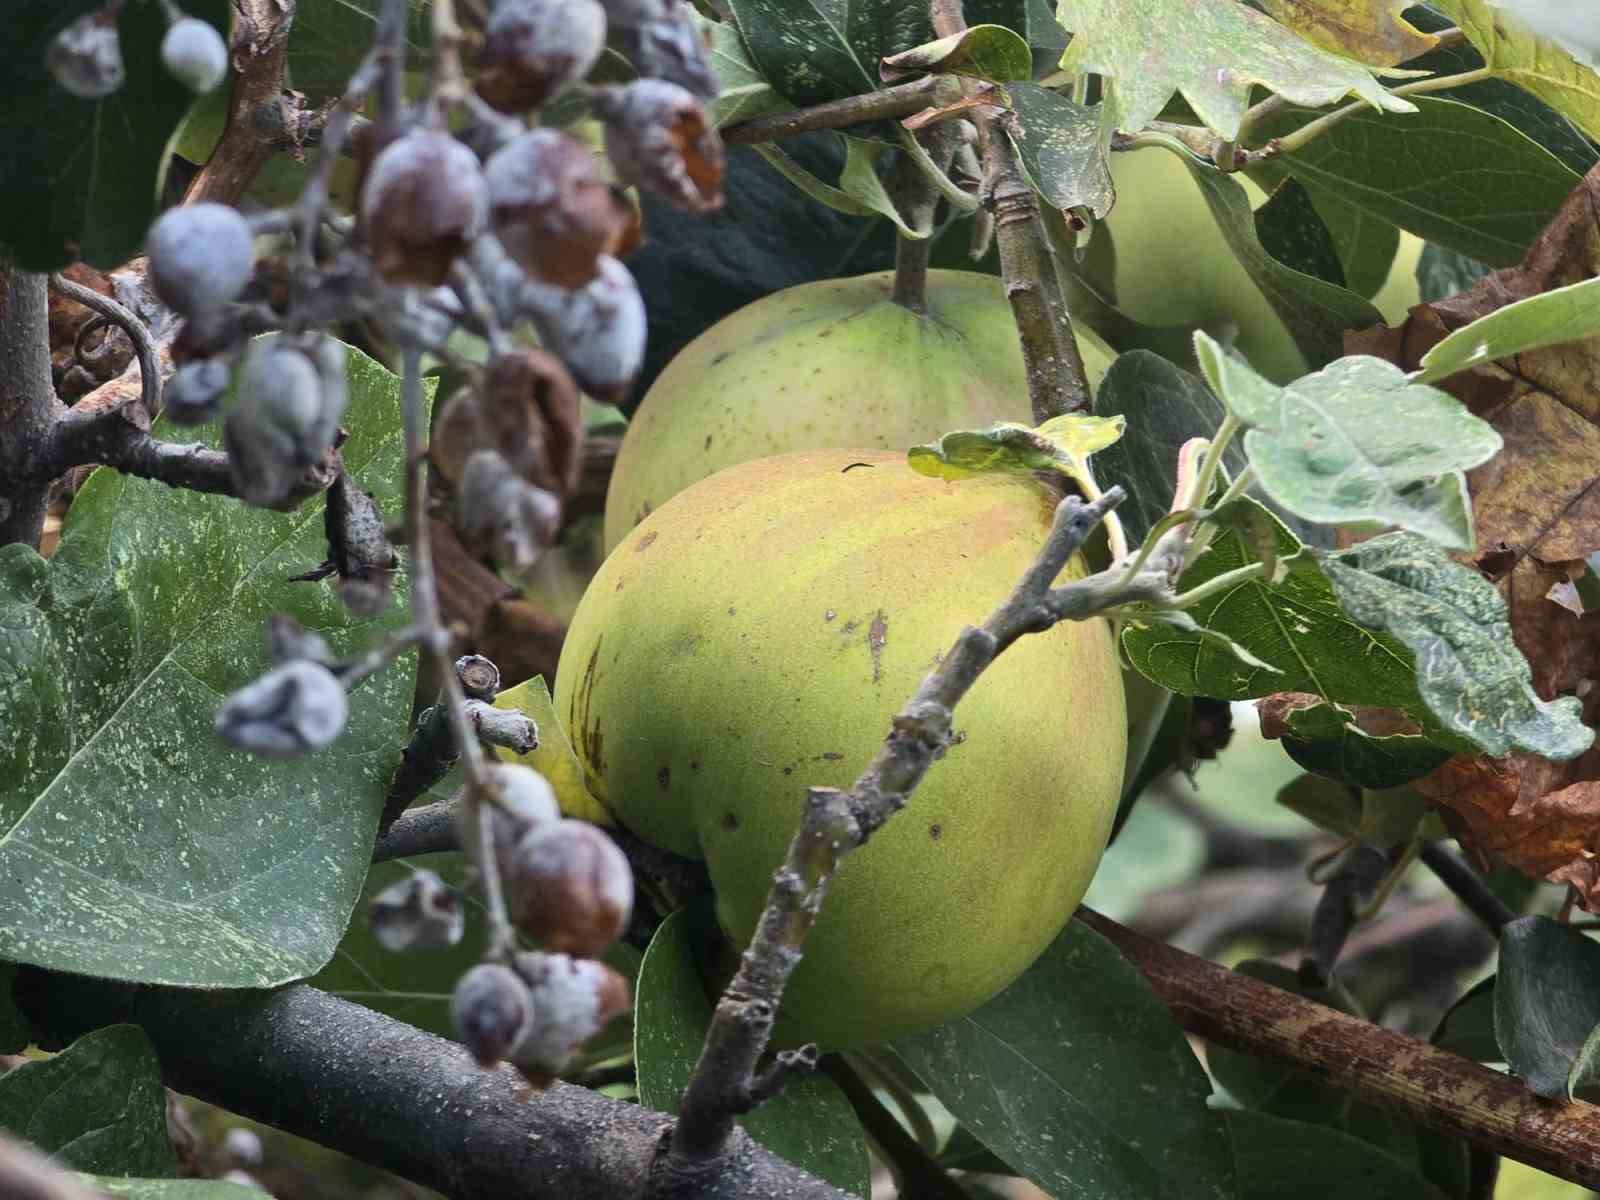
201 256
570 888
360 554
86 57
598 330
502 516
422 203
492 1011
523 800
291 396
552 209
193 395
419 912
295 707
529 412
286 640
533 50
660 39
195 54
658 137
573 999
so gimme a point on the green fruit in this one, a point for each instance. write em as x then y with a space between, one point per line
833 363
754 636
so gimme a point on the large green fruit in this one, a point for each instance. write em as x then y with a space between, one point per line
832 363
754 636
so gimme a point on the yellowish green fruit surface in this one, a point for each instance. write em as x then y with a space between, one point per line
753 638
832 363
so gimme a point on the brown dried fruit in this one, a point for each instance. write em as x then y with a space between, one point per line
553 210
533 50
422 202
573 999
658 137
529 412
570 888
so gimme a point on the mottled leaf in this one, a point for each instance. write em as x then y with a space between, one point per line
172 1189
1358 441
1061 444
554 758
1054 1074
812 51
84 175
1566 314
1469 671
982 51
1547 1004
1223 51
1369 31
1534 64
1316 313
1058 143
133 844
97 1106
810 1123
1326 739
860 193
1290 229
1275 1157
1423 171
742 91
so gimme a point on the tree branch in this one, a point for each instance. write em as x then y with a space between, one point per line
885 104
28 404
1426 1084
144 346
1468 886
350 1078
727 1079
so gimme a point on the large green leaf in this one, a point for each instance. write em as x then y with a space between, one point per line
1547 1005
810 1123
1078 1076
82 175
1210 53
1290 229
817 50
133 844
1358 441
1469 670
742 91
329 38
1276 1157
1423 171
1059 145
97 1106
1326 739
1316 312
1565 314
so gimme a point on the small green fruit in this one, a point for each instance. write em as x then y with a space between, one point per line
753 638
832 363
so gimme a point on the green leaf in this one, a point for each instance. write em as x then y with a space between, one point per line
1533 64
1442 273
1324 738
1316 313
1276 1157
133 844
1565 314
743 91
1469 670
415 986
1290 229
1326 804
1061 444
172 1189
1424 173
329 38
97 1106
1223 51
15 1033
1164 407
1467 1028
84 175
1035 20
1054 1075
810 1123
812 51
554 757
990 52
1058 143
1369 31
1358 441
1547 1004
1366 245
860 192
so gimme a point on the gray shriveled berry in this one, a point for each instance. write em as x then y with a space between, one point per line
573 999
501 515
533 50
553 211
419 912
658 137
193 395
295 707
195 54
661 40
291 396
570 888
86 57
423 202
523 800
598 331
201 256
492 1012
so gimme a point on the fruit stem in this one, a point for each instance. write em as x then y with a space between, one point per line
911 273
916 195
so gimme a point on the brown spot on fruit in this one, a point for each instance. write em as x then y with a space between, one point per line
935 831
830 756
877 638
664 777
708 441
694 764
730 822
645 542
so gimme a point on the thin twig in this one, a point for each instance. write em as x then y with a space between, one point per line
885 104
1468 886
427 829
915 1173
124 318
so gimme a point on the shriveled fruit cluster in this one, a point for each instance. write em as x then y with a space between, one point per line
753 638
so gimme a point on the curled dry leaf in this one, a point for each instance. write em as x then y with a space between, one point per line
528 412
1537 506
659 137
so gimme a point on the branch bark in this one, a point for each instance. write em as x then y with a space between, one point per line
885 104
28 404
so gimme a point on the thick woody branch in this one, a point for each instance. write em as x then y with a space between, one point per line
1057 382
1429 1085
728 1080
28 404
390 1094
889 103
